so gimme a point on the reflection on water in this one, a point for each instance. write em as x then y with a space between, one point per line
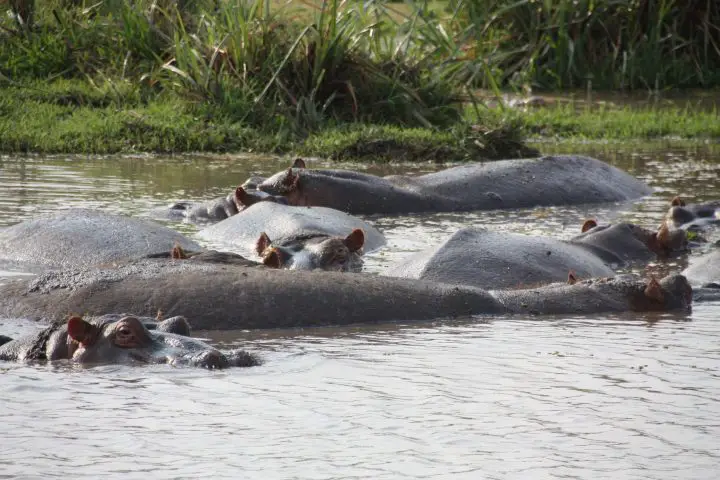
615 397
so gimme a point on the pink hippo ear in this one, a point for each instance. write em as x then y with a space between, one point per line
663 236
291 181
274 258
177 252
242 199
653 291
262 243
677 202
572 278
587 225
299 163
355 240
81 331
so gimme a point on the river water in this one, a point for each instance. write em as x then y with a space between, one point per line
622 396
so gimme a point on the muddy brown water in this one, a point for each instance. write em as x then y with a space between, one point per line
622 396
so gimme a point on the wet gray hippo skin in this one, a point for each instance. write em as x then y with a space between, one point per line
217 209
693 216
283 222
550 180
120 339
80 237
488 259
704 269
228 297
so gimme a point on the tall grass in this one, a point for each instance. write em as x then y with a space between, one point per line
615 44
256 64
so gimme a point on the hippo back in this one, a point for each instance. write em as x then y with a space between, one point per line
704 269
550 180
279 221
79 237
487 259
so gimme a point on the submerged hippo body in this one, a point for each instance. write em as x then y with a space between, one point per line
217 209
219 297
120 339
488 259
80 237
550 180
281 222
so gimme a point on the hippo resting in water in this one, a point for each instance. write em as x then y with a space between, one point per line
550 180
217 209
80 237
284 224
692 216
218 296
121 339
488 259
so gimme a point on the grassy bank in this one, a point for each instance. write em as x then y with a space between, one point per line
364 80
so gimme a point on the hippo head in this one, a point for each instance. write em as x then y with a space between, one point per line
322 252
128 340
670 293
243 199
665 242
286 183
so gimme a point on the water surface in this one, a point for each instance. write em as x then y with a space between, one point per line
597 397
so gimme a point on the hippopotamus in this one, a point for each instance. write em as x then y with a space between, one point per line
286 225
121 339
488 259
80 237
544 181
692 216
217 209
313 251
704 269
217 296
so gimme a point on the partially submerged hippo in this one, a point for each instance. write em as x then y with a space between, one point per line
692 216
550 180
121 339
704 269
489 259
313 251
282 222
219 208
220 297
80 237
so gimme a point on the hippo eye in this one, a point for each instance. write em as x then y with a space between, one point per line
124 331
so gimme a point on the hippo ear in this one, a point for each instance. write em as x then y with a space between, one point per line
355 240
299 163
262 243
274 258
677 202
291 180
590 223
178 253
654 291
572 278
81 331
663 236
242 198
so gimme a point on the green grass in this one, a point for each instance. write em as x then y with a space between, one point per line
350 79
565 122
67 116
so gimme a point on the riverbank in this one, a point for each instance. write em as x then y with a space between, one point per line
347 80
69 117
